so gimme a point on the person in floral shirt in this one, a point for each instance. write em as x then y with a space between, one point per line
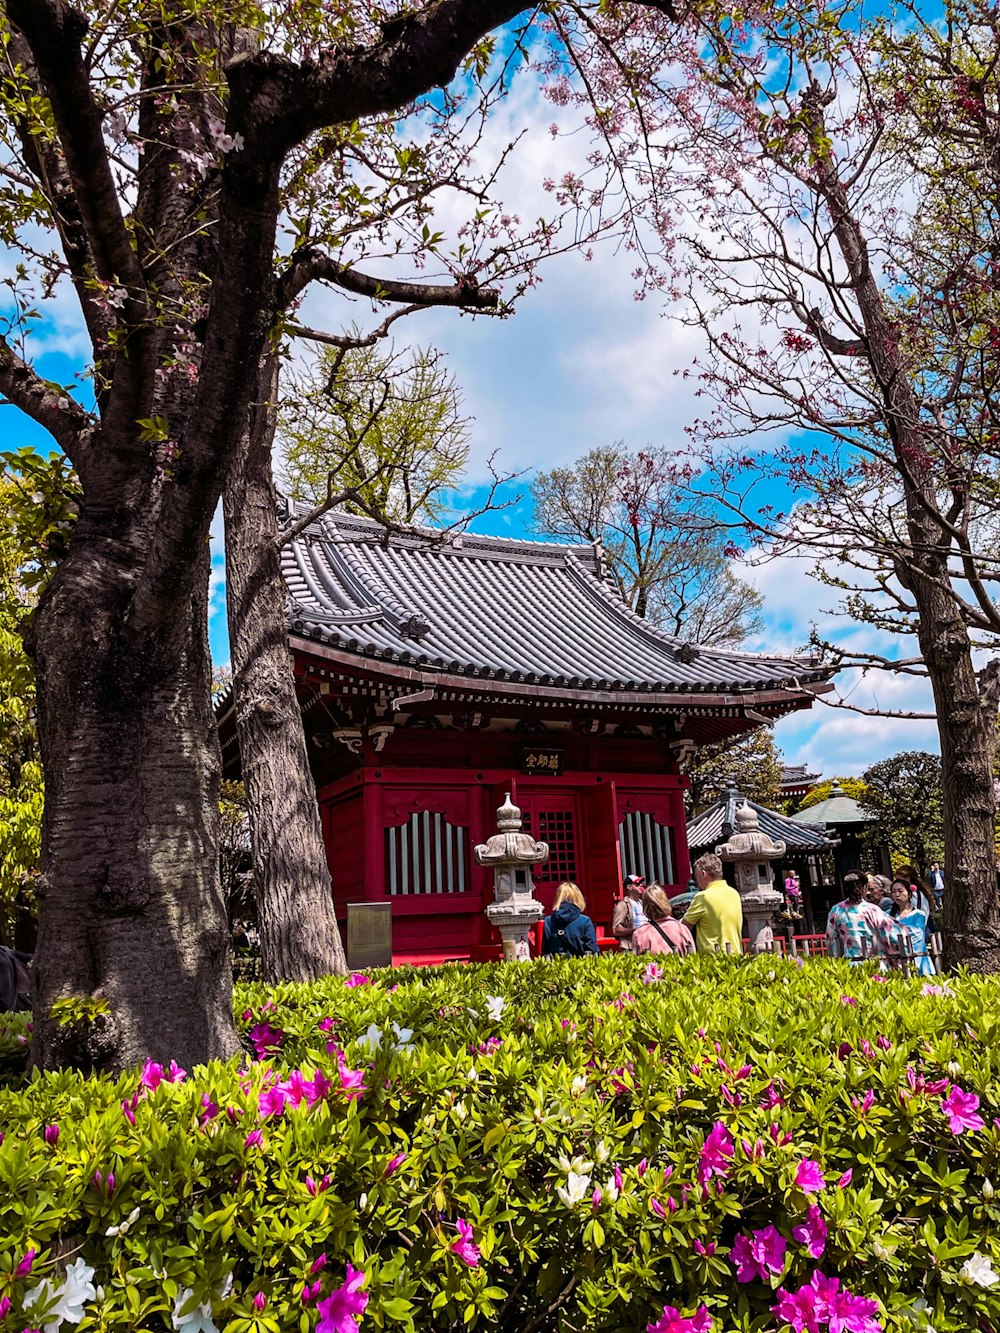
857 928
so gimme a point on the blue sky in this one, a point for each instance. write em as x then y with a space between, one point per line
580 364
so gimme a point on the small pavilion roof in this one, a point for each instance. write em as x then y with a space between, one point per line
505 610
838 808
714 825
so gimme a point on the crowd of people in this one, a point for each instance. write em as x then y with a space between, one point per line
879 917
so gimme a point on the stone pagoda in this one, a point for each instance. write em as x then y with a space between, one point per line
752 852
511 853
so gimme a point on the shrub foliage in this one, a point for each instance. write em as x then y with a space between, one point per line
590 1144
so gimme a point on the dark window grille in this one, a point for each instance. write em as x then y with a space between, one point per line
426 855
558 829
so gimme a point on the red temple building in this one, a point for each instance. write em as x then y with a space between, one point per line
434 677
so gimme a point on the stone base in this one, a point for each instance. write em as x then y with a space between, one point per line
759 908
515 928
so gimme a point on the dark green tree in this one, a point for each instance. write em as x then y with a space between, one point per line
907 794
752 763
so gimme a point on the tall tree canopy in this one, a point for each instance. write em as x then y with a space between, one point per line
150 152
663 549
752 764
906 794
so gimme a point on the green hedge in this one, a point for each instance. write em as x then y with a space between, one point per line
733 1145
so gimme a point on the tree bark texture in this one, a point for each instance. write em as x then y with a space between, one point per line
299 936
132 932
966 715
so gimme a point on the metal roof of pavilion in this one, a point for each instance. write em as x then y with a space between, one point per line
838 808
502 609
714 825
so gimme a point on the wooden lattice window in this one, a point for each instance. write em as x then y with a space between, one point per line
558 829
647 848
426 854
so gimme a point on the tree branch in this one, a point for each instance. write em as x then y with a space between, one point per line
311 265
65 420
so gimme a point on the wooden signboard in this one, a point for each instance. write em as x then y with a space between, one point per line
369 935
546 762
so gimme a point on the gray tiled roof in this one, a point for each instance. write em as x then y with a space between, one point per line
705 830
500 608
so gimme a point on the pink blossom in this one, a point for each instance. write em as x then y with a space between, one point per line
315 1188
328 1024
760 1255
716 1152
342 1310
260 1302
809 1178
151 1076
271 1102
865 1104
394 1164
254 1139
357 979
883 1043
25 1265
464 1247
846 1178
175 1074
294 1089
812 1232
771 1098
960 1108
595 1199
266 1039
51 1134
128 1113
701 1248
642 1168
351 1081
4 1306
209 1109
317 1265
823 1303
849 1000
618 1178
317 1088
652 973
309 1293
657 1208
798 1308
672 1321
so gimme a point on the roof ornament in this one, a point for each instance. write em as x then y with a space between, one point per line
413 627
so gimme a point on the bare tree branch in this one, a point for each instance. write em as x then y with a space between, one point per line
310 265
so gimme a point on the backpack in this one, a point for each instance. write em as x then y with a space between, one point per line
15 980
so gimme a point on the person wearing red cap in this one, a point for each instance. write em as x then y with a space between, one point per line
628 915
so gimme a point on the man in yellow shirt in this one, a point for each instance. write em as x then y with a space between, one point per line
717 910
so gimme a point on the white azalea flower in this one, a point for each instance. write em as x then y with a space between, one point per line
978 1271
575 1190
472 1076
954 1068
460 1111
372 1038
122 1229
578 1166
579 1085
404 1037
601 1153
610 1191
988 1190
197 1319
494 1007
66 1301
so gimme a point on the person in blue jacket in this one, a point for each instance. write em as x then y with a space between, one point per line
567 929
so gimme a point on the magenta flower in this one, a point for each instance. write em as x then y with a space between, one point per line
175 1074
701 1248
394 1164
317 1265
328 1024
315 1188
317 1088
642 1168
595 1199
864 1104
761 1255
812 1232
51 1134
254 1139
672 1321
652 974
260 1302
657 1208
209 1109
797 1308
342 1310
960 1108
128 1113
823 1303
151 1076
618 1178
351 1081
356 979
4 1306
266 1039
271 1102
809 1178
716 1153
25 1265
849 1000
464 1247
846 1178
309 1293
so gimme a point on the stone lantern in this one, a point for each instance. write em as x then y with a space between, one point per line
752 852
511 853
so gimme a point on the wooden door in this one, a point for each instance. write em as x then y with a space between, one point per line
553 816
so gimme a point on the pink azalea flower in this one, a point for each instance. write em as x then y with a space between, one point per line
51 1134
841 1309
849 1000
672 1321
260 1302
357 979
846 1179
865 1104
26 1263
809 1178
657 1208
652 973
317 1265
960 1108
760 1255
394 1164
4 1306
175 1074
812 1232
701 1248
209 1109
328 1024
266 1039
342 1310
883 1043
464 1247
271 1102
771 1098
254 1139
595 1199
315 1188
309 1293
151 1076
317 1088
294 1089
716 1153
642 1168
797 1308
128 1113
351 1081
618 1178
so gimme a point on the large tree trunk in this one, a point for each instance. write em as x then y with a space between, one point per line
298 924
132 930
